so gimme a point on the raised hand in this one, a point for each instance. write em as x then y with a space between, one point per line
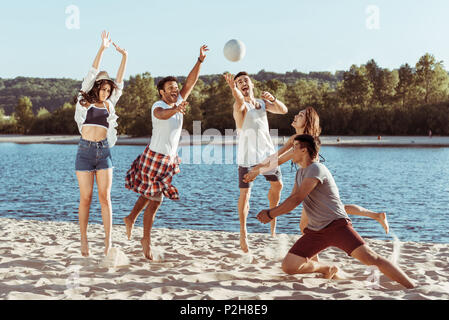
203 50
105 40
230 80
268 96
122 51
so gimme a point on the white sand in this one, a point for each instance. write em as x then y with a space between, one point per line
42 260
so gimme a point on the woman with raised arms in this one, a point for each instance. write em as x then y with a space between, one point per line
96 120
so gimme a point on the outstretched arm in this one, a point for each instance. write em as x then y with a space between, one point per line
193 76
273 105
236 93
122 68
117 92
239 104
89 80
165 114
291 202
105 43
284 154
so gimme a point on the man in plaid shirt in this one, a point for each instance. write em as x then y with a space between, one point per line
152 172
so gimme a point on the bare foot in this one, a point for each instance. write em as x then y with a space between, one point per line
107 244
243 242
330 273
382 219
84 247
129 227
146 248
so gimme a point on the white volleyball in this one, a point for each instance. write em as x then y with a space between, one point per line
234 50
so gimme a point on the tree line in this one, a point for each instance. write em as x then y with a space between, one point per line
364 100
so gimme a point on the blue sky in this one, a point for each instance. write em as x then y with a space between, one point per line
164 37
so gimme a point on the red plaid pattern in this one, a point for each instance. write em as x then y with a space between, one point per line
152 173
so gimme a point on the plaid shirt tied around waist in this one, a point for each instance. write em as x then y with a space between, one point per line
152 173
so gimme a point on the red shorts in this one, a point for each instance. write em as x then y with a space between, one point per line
339 233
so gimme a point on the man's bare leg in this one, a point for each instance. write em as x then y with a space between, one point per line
148 220
243 207
380 217
293 264
129 220
274 195
368 257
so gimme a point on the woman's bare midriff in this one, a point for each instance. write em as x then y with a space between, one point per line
92 133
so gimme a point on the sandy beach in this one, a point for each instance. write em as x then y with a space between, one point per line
42 260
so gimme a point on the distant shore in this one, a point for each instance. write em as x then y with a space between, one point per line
357 141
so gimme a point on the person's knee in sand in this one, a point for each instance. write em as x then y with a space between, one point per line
293 264
328 223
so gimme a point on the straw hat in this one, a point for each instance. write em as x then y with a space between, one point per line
103 75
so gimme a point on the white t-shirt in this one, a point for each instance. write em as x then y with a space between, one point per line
166 133
254 142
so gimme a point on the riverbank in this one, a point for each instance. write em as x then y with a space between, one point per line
358 141
42 260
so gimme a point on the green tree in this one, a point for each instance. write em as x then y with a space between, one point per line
383 83
62 121
406 84
217 107
432 79
24 114
356 88
134 106
43 113
43 122
194 111
2 115
7 124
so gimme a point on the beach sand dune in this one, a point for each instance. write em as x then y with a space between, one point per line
42 260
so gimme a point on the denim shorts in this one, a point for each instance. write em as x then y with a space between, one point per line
93 156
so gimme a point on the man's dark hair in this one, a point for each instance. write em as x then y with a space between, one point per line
310 142
162 82
241 73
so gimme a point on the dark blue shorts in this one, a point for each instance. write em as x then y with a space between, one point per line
274 175
93 156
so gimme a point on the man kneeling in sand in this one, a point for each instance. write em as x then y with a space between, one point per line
328 223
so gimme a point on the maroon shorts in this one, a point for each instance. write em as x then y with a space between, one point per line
339 233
